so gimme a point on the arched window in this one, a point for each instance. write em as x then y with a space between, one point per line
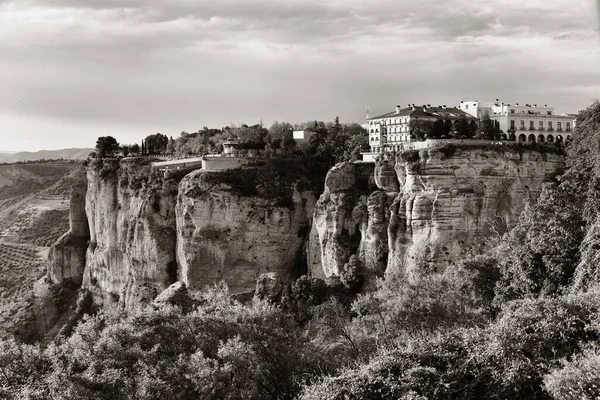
372 131
559 139
531 139
522 138
540 138
550 139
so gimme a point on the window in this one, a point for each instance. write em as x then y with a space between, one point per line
372 131
549 112
531 126
522 125
549 125
541 125
559 126
372 139
568 126
512 111
467 107
512 124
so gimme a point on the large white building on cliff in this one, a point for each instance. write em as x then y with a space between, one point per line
526 122
520 123
392 129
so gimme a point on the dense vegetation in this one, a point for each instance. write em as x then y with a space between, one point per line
332 141
519 321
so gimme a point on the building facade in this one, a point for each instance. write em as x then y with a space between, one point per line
525 123
390 130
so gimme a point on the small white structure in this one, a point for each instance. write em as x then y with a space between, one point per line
302 136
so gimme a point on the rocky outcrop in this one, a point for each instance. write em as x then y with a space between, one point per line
234 226
131 213
427 208
339 215
66 258
453 198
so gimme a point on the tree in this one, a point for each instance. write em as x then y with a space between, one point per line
421 129
465 129
488 128
156 144
125 150
171 146
106 146
135 149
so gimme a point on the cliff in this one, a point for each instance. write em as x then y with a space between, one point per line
428 206
131 214
238 224
66 258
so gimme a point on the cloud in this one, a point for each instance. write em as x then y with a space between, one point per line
185 64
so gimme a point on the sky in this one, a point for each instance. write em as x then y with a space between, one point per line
74 70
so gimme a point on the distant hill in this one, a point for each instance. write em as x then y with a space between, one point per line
67 154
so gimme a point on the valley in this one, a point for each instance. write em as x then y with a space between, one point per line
34 213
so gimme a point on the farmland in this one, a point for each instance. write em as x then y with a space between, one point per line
34 213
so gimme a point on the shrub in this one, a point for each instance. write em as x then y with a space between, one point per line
577 379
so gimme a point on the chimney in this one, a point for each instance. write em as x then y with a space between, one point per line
424 106
516 104
461 102
412 106
444 106
535 105
497 100
397 109
545 105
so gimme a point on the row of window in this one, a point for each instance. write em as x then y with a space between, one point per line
390 121
540 125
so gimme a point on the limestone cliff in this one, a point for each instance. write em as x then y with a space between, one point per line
66 258
236 225
131 215
338 218
429 206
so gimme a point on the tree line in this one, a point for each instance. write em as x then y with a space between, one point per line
334 141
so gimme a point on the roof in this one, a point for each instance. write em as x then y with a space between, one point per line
428 112
230 143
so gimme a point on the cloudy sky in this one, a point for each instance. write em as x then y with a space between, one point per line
73 70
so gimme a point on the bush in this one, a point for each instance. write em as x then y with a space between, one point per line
577 379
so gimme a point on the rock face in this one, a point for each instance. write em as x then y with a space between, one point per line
131 215
66 258
429 206
236 225
339 215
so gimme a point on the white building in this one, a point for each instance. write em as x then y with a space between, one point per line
532 123
302 136
390 130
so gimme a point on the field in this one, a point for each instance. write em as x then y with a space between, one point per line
34 213
21 265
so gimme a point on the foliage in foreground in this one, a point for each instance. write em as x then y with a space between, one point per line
517 356
222 350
